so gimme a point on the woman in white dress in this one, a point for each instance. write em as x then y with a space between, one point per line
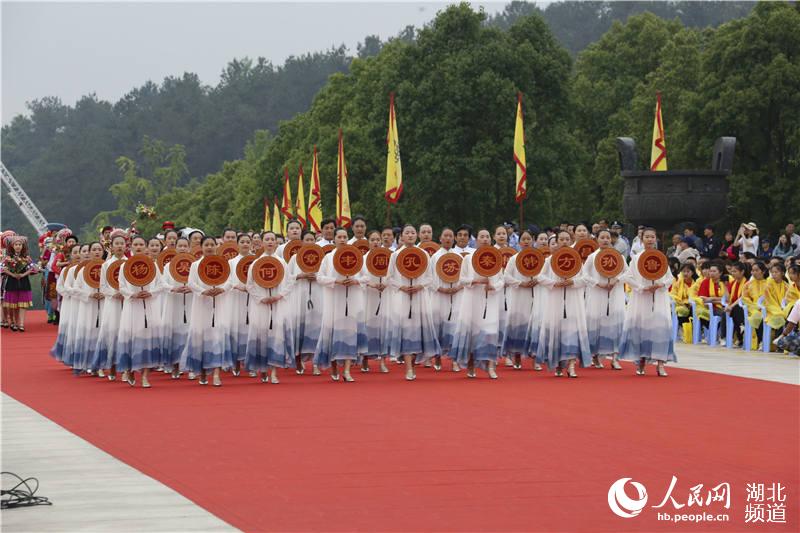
501 241
540 295
270 335
563 338
647 332
207 345
307 298
176 315
477 338
374 312
139 339
66 317
88 312
445 302
410 331
605 307
342 336
105 351
520 294
236 306
71 354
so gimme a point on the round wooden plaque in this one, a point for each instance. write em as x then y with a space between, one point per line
165 257
378 262
267 272
243 266
291 248
309 258
91 273
487 261
362 245
412 262
448 267
609 263
566 262
139 270
530 262
213 270
652 264
507 252
586 247
430 247
348 260
228 250
328 248
112 273
179 267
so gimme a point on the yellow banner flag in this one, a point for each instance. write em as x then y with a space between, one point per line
314 197
286 207
300 206
342 196
658 153
394 170
277 225
267 222
521 188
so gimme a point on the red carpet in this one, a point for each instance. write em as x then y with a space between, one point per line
527 452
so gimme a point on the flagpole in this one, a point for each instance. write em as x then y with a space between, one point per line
521 213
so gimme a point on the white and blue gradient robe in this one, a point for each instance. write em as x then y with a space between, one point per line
66 318
521 307
105 351
414 334
445 307
207 344
605 310
87 326
69 352
270 334
561 339
375 308
236 307
139 347
307 302
342 334
176 316
647 330
478 330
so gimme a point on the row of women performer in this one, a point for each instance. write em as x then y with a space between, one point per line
337 321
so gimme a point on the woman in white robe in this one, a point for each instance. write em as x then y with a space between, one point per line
236 306
501 241
410 332
105 351
71 354
477 338
270 333
207 344
89 310
520 293
139 339
176 315
563 338
342 336
307 302
540 296
647 332
445 302
66 318
374 312
605 307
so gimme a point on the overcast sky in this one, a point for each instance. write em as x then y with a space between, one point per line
72 49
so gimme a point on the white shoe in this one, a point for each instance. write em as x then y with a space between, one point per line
347 377
492 373
509 362
384 368
410 376
537 367
192 376
273 379
100 373
456 368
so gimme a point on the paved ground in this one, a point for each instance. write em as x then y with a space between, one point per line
32 445
75 476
